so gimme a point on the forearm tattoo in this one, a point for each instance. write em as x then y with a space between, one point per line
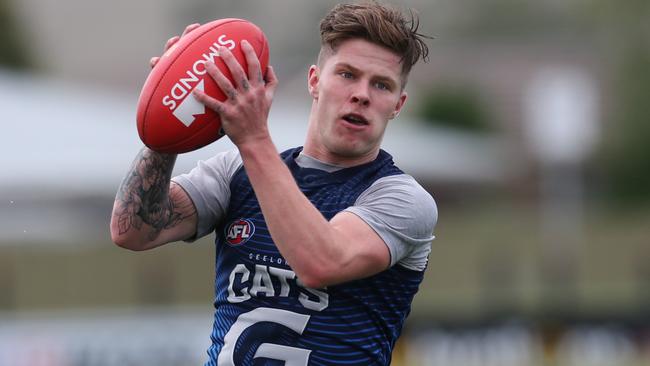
144 196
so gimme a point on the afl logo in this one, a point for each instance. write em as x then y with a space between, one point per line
239 231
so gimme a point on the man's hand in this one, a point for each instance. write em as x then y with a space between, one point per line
245 111
171 42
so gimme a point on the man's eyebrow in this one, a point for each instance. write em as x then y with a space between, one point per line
346 65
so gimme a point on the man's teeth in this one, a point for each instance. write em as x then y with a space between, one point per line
355 120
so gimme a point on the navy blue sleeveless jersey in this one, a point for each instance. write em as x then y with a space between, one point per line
265 316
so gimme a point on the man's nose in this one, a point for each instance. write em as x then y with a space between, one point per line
360 95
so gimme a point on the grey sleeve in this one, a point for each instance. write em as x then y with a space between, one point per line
403 214
208 185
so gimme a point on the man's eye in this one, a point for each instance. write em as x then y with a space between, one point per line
381 86
346 74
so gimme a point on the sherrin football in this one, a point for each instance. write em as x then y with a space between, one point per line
169 118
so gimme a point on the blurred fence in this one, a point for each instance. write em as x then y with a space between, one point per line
179 336
542 344
109 337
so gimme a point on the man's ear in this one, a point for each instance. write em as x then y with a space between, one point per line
312 81
399 105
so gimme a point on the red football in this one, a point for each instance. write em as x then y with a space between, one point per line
170 119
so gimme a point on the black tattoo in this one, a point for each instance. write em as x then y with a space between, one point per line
144 196
232 94
245 84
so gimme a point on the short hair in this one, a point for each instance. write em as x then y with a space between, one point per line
379 24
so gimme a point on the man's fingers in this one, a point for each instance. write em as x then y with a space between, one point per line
208 101
222 81
170 42
271 82
253 64
190 28
153 61
270 78
240 78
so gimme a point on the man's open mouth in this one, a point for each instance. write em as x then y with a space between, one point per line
355 119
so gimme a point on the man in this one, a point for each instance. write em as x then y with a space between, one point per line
319 250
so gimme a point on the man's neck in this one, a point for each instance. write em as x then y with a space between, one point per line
322 154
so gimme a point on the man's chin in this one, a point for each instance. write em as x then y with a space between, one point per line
351 151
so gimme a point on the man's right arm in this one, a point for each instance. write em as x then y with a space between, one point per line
149 209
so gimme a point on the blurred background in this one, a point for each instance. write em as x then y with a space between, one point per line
528 126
